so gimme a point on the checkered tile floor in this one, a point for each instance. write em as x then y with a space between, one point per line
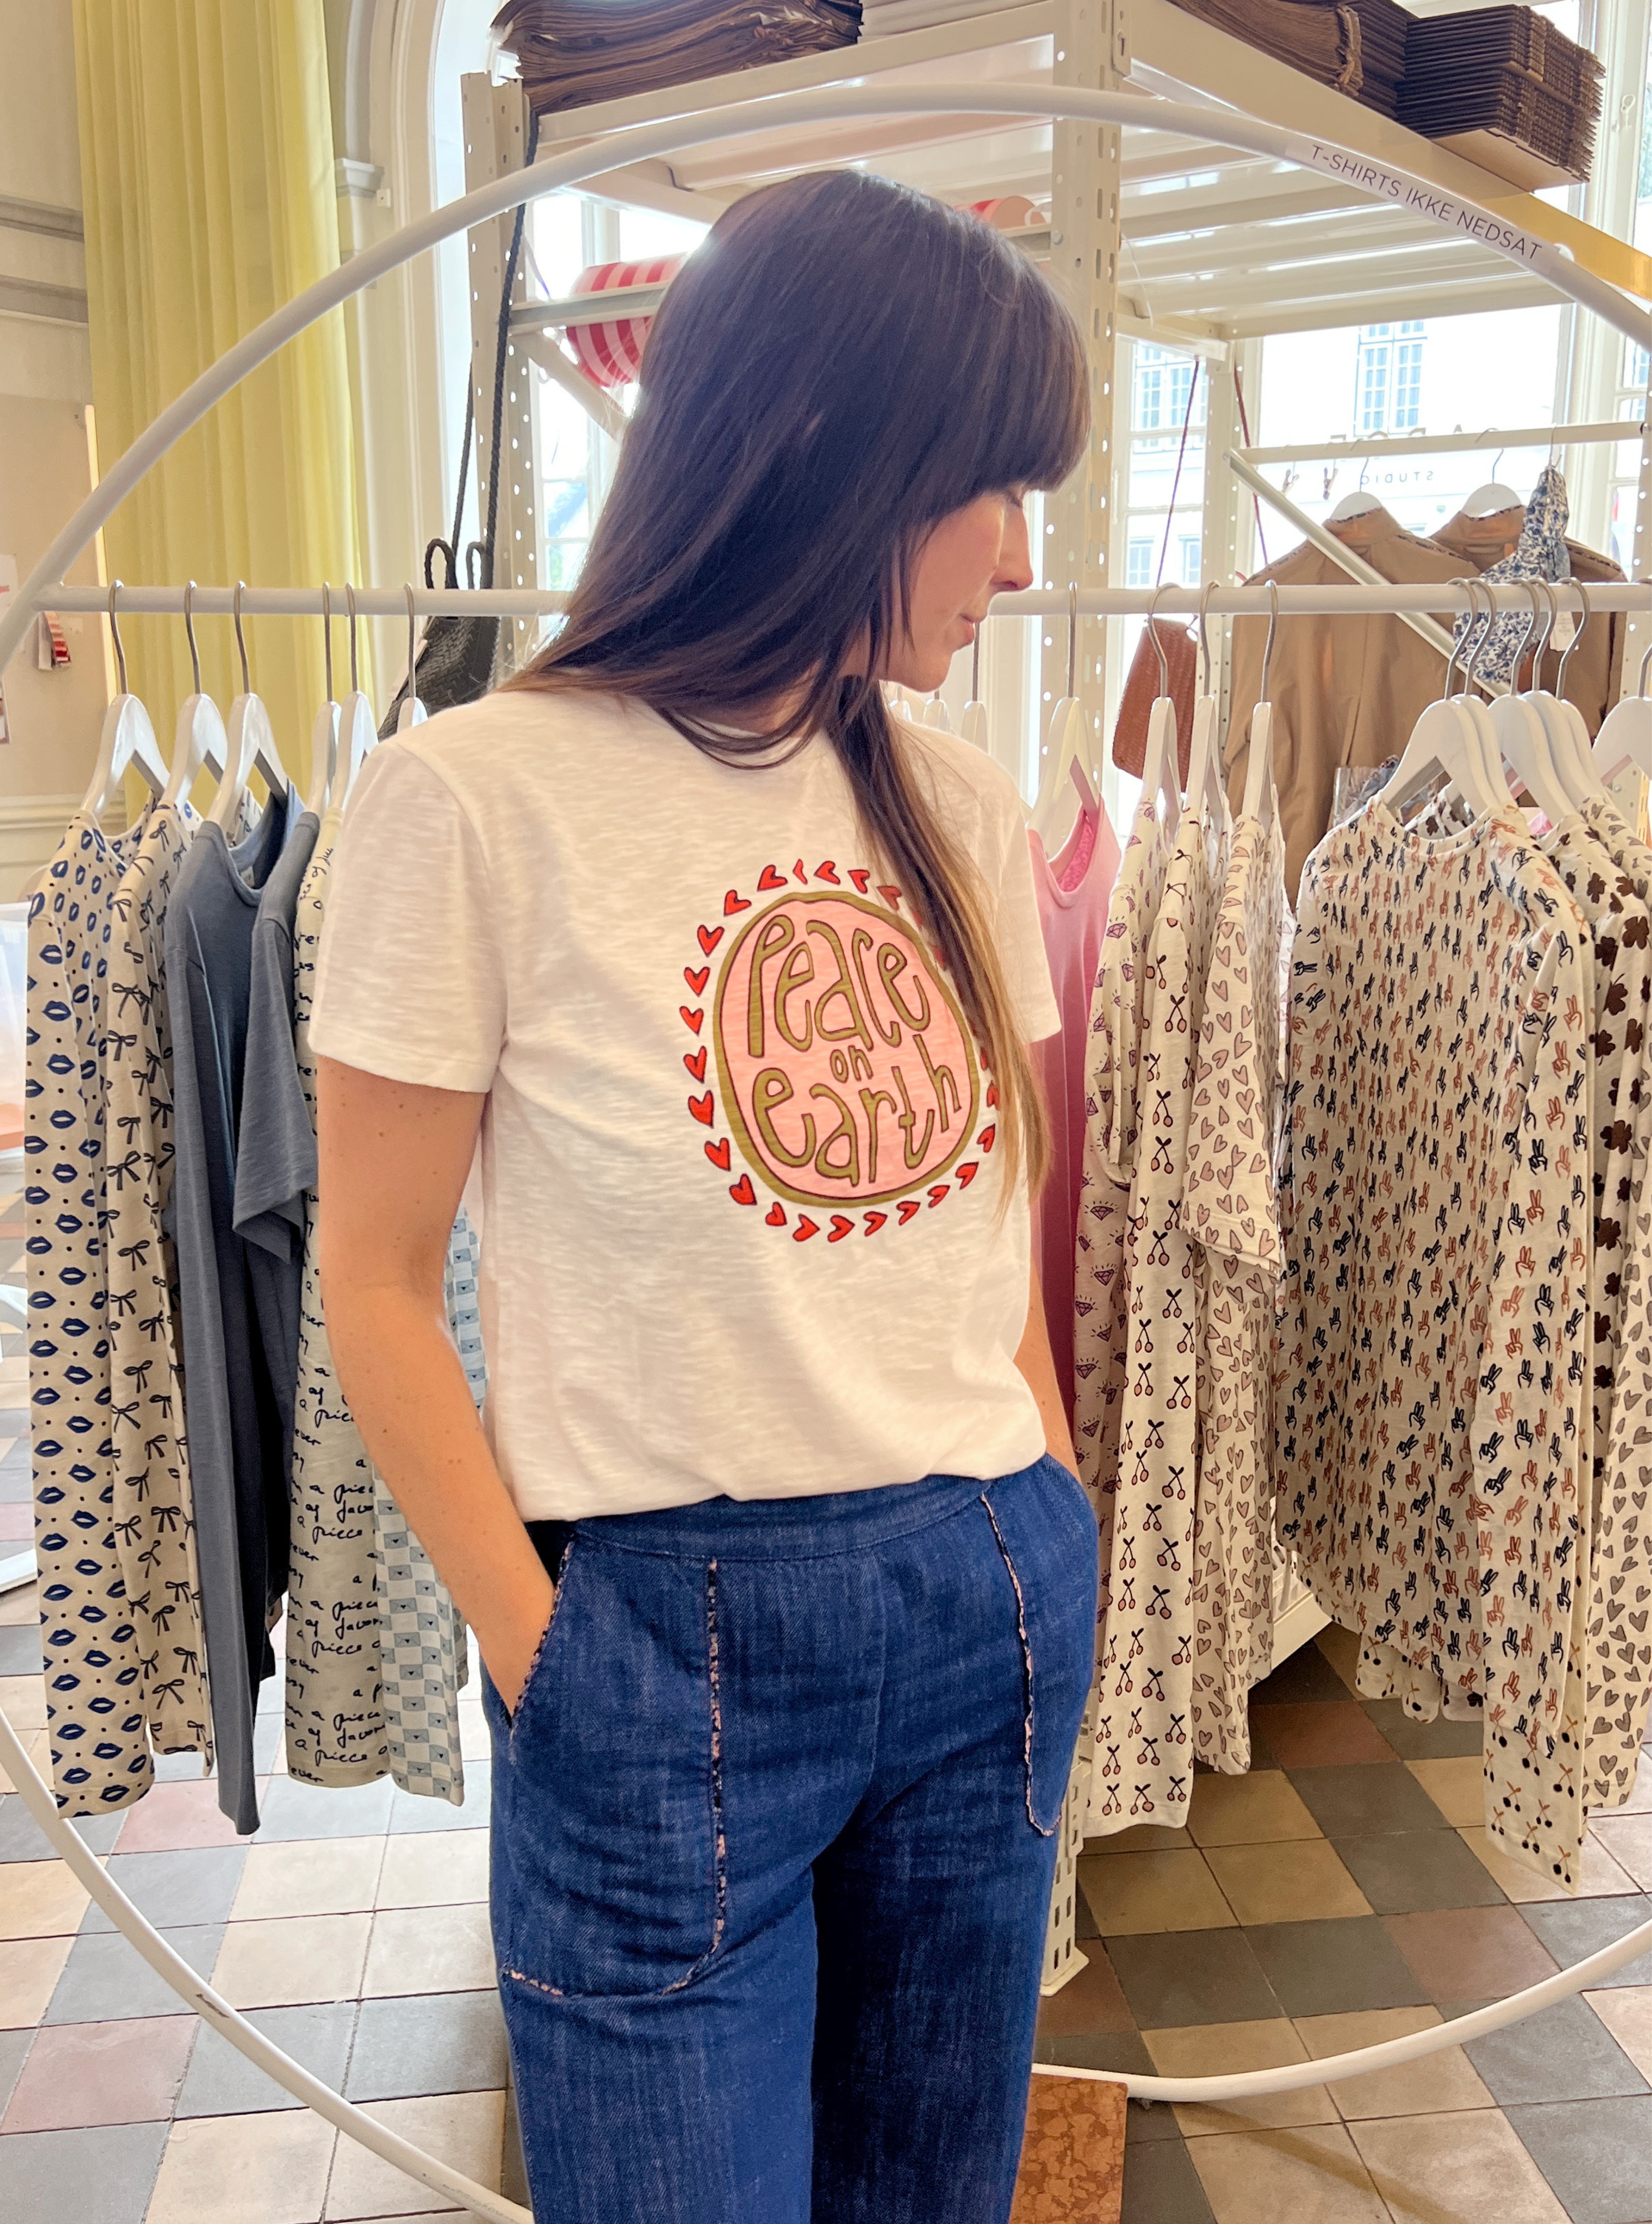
1341 1893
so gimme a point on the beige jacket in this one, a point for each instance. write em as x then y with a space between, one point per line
1348 691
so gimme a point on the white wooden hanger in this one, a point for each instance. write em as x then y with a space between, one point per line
252 741
1487 501
1360 503
935 714
324 736
1566 737
1447 742
974 727
1204 792
357 728
1066 744
1625 736
1517 731
200 741
1260 800
1160 767
1574 752
127 739
413 712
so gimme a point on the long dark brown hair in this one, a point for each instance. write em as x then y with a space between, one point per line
842 364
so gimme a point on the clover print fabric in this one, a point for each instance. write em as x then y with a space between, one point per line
1434 1409
1230 1210
97 1715
1620 1627
1619 923
1143 1765
154 1520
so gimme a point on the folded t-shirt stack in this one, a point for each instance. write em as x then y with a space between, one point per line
573 52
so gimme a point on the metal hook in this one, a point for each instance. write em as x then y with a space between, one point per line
1453 659
1158 646
113 626
1471 675
1267 649
1072 639
1204 635
413 649
974 667
1542 646
349 599
241 638
189 628
1571 647
1530 585
326 635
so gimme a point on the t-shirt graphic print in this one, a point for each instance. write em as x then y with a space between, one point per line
745 1225
835 1054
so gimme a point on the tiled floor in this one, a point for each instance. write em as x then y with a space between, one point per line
1343 1894
1339 1894
352 1930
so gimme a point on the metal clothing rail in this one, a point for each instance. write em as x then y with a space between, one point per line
1368 447
1375 598
666 136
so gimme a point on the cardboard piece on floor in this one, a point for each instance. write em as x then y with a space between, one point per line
1073 2158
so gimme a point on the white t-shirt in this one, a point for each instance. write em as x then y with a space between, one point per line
743 1228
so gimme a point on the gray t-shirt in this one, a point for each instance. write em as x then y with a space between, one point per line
275 1149
237 1467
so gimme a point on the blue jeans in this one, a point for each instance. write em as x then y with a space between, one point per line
774 1841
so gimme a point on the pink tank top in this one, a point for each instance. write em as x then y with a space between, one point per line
1074 888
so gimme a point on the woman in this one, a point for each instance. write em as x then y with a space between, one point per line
783 1587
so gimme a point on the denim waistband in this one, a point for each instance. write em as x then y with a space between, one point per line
789 1528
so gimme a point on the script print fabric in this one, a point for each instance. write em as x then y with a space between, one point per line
1112 1075
1620 1625
1230 1208
95 1709
1434 1399
153 1516
336 1731
1143 1766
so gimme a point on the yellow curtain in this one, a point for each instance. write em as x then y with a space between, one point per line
207 164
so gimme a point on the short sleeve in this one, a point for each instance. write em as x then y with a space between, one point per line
275 1153
410 982
1020 939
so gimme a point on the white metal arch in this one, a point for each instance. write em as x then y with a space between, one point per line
637 143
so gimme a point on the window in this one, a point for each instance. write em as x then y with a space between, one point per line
1139 564
1187 553
1389 395
1163 383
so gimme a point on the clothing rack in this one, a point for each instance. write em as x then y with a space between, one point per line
1447 444
1380 598
654 140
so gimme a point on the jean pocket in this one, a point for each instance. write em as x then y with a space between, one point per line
538 1667
1046 1538
607 1871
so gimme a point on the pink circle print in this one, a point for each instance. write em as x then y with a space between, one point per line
849 1074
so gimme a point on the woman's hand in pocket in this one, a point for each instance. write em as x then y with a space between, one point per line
510 1641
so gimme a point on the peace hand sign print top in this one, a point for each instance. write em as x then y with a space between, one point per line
744 1229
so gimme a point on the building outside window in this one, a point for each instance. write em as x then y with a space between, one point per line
1389 377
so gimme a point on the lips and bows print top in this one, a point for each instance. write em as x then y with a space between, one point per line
744 1224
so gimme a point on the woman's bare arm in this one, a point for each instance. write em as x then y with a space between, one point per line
394 1162
1037 1367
